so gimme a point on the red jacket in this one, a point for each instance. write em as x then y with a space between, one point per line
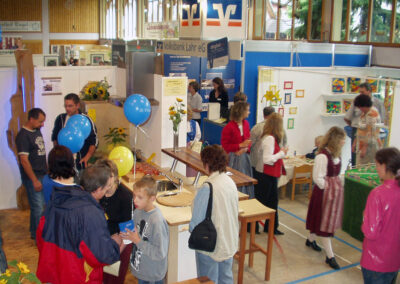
231 138
277 169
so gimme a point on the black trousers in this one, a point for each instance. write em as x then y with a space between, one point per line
266 191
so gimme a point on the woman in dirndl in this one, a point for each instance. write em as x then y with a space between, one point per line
325 210
235 139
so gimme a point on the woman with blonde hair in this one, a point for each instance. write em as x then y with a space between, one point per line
235 139
325 209
266 191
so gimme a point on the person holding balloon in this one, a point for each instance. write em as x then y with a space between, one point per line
76 131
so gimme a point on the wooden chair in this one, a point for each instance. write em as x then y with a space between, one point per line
305 172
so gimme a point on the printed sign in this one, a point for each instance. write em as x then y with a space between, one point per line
217 53
190 25
20 26
224 18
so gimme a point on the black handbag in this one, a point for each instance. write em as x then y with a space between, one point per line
204 235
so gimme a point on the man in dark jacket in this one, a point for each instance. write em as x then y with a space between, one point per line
72 105
73 239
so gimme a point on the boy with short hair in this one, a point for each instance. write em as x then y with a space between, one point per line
151 235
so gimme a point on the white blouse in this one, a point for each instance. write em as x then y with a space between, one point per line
320 169
268 146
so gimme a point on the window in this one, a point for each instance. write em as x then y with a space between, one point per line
381 20
129 20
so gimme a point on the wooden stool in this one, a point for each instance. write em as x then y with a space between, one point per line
251 212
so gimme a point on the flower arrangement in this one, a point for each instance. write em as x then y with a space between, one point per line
96 90
19 273
175 113
116 135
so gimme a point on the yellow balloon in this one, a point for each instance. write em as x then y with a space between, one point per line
123 158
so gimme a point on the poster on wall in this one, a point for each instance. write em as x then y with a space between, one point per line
218 53
191 18
224 19
161 30
175 86
51 86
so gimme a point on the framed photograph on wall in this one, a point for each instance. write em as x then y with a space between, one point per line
54 49
50 60
290 123
288 98
288 85
95 59
299 93
293 110
281 111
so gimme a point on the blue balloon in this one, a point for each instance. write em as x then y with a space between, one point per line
137 109
72 138
80 122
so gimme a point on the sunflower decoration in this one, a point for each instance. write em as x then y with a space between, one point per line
96 90
18 272
116 135
176 112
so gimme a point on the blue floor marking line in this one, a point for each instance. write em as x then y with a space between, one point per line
323 273
301 219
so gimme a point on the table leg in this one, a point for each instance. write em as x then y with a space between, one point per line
242 248
252 241
269 246
173 167
172 272
196 179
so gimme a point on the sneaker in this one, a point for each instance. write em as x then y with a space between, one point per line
332 263
313 245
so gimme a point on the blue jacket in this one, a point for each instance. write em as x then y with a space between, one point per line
73 239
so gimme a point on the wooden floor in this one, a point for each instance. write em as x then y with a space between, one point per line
17 244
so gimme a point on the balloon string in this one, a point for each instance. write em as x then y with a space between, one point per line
144 132
134 154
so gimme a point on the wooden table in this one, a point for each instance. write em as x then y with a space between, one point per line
193 160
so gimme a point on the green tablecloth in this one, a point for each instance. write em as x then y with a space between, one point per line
355 197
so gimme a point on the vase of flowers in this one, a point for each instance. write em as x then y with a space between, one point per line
115 136
176 112
96 90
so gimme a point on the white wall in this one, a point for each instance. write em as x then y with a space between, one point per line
308 121
9 173
73 79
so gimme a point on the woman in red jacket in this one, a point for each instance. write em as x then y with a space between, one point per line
272 155
235 139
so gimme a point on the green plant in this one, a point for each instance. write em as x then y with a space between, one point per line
175 113
116 135
18 273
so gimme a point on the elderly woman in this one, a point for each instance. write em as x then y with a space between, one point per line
217 265
235 139
118 207
61 171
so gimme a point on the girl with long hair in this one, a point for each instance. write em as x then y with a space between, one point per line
272 155
325 209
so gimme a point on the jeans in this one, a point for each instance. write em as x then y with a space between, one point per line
3 260
374 277
150 282
219 272
36 202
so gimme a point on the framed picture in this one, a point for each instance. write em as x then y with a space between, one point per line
288 85
346 105
281 111
293 110
290 123
353 83
338 85
50 60
54 49
299 93
333 107
95 59
288 98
